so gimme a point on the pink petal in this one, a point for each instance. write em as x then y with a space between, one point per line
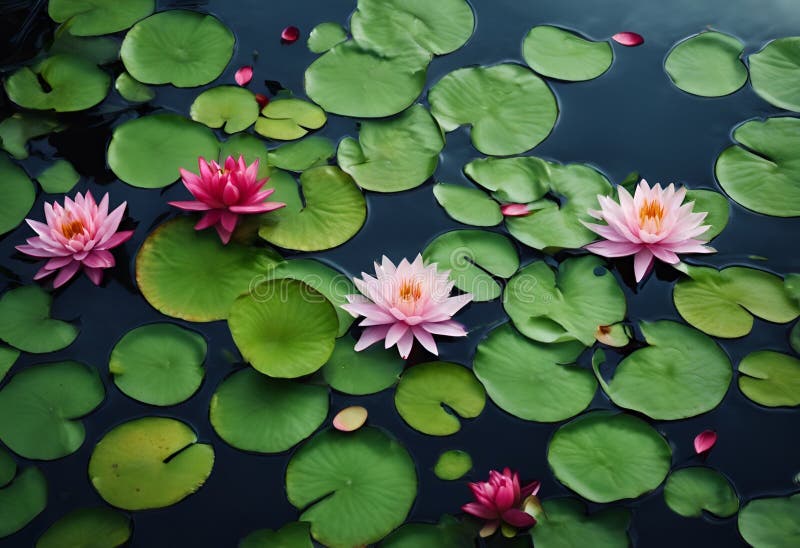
191 206
350 418
642 263
117 239
260 208
614 249
262 100
630 39
663 254
405 343
370 336
94 274
531 489
480 511
244 75
518 518
290 34
515 210
450 328
395 333
705 441
66 274
425 339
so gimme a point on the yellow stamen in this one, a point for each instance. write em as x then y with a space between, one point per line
72 228
651 211
410 290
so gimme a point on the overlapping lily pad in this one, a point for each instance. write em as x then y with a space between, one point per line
452 465
292 535
288 119
233 107
311 152
101 50
365 372
770 378
448 532
564 523
97 527
251 148
58 177
771 522
18 194
775 73
132 90
17 129
22 498
523 179
326 35
707 64
692 490
468 205
8 356
715 204
562 54
25 322
95 17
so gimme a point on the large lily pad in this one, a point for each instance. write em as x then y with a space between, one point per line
151 462
354 488
288 119
707 64
233 107
292 535
775 73
96 17
605 456
25 322
564 523
468 205
18 195
562 54
771 522
770 378
88 528
689 491
311 152
511 110
21 500
365 372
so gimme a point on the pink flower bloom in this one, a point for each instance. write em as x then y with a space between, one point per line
500 500
290 34
406 302
705 441
629 39
224 193
244 75
78 235
652 224
515 210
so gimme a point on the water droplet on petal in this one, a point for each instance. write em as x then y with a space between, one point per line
244 75
630 39
290 34
705 441
350 418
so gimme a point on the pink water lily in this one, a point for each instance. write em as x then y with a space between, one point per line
406 302
652 224
500 501
77 236
226 192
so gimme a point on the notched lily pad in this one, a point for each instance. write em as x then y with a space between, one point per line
772 522
311 152
468 205
288 119
770 378
775 73
562 54
692 490
233 107
708 64
21 500
25 322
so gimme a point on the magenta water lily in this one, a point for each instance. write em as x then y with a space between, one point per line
500 500
406 302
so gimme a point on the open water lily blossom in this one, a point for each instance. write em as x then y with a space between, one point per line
500 501
406 302
226 192
77 236
652 224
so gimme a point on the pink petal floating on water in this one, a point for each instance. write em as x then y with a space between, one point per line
244 75
290 34
630 39
705 441
350 418
262 100
514 210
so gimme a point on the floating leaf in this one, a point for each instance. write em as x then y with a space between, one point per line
25 322
705 441
567 525
359 373
8 468
617 335
791 283
606 456
511 110
95 17
17 129
8 356
393 155
452 465
629 39
288 119
448 532
794 338
58 177
521 179
40 408
708 64
132 90
770 378
350 418
101 50
771 522
151 462
88 528
562 54
233 107
425 388
251 148
292 535
715 204
468 205
21 500
253 412
18 195
326 35
775 73
311 152
354 488
691 490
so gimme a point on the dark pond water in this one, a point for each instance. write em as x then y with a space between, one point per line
630 119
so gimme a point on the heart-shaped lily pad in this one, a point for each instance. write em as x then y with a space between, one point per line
775 73
452 465
395 154
770 378
353 487
511 110
533 381
95 17
606 456
448 532
88 528
468 205
474 258
233 107
20 127
564 305
41 407
689 491
564 523
151 462
425 388
179 47
288 119
707 64
292 535
22 498
311 152
18 195
133 90
326 35
771 522
562 54
58 177
365 372
522 179
715 204
253 412
25 322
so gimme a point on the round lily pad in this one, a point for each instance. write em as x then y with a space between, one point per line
95 17
761 171
253 412
533 381
775 73
715 204
41 407
332 211
191 275
562 54
58 177
522 179
292 535
132 90
287 329
159 363
689 491
326 35
681 373
452 465
288 119
365 372
565 524
353 487
21 500
178 47
771 522
606 456
25 322
770 378
18 194
151 462
395 154
88 528
510 109
468 205
426 387
233 107
564 305
311 152
474 258
723 302
708 64
176 141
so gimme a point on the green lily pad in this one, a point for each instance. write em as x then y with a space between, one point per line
326 35
510 109
565 524
770 378
791 283
723 302
606 456
365 372
715 204
73 83
159 363
523 179
253 412
562 54
794 338
8 468
58 177
771 522
176 141
681 373
474 258
95 17
88 528
133 90
288 119
285 330
775 73
708 64
393 155
41 407
233 107
191 275
25 322
332 211
252 148
468 205
151 462
452 465
18 195
533 381
311 152
20 127
338 478
691 490
101 50
178 47
22 500
292 535
761 172
564 305
448 532
425 388
8 356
